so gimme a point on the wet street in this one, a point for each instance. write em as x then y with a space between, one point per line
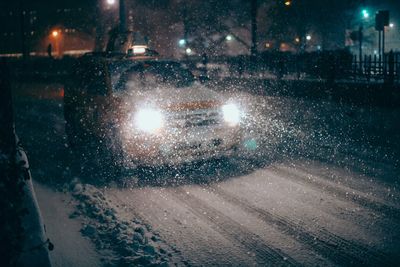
320 189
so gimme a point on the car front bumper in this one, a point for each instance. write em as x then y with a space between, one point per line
182 146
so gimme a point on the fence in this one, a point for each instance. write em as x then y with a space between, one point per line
323 65
377 68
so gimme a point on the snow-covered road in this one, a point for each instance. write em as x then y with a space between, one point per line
290 213
323 191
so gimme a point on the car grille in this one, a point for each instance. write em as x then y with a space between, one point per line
195 119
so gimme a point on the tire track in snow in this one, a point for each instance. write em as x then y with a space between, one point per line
302 175
116 199
327 244
356 163
235 231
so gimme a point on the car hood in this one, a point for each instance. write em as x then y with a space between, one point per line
196 96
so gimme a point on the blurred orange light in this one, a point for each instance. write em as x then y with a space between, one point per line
54 33
297 40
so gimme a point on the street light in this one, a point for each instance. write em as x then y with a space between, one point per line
365 13
391 25
188 51
56 35
308 37
288 3
182 42
229 37
111 2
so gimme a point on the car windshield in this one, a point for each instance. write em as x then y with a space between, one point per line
148 76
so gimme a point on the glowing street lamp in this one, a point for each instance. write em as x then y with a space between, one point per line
297 40
229 37
288 3
308 37
110 2
182 42
365 13
391 25
188 51
56 34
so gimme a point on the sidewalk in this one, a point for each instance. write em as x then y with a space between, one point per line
70 247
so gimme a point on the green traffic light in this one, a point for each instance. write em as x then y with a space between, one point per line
365 13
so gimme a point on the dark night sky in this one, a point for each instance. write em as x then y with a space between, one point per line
394 5
160 17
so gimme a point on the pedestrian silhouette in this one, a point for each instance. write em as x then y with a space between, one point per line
49 50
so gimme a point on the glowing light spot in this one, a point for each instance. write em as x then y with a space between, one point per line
250 144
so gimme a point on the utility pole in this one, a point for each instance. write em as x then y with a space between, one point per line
99 31
253 49
381 21
360 42
122 16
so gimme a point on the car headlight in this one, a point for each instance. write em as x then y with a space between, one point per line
231 114
149 120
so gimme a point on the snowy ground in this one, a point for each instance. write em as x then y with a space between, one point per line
321 188
63 230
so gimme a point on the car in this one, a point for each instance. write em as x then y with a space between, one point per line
147 112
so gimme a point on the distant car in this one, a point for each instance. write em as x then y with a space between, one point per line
147 112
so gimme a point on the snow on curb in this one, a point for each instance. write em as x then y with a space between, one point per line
131 241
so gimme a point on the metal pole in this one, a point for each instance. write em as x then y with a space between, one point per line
122 16
383 52
99 31
383 41
360 37
379 42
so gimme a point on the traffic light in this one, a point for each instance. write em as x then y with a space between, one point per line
381 20
365 13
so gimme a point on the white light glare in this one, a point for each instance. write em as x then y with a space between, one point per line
391 25
188 51
231 114
365 13
229 37
111 2
149 120
308 37
182 42
139 49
